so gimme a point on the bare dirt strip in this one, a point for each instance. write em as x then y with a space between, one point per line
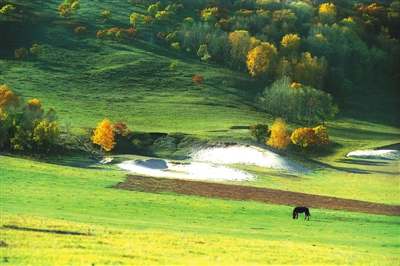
238 192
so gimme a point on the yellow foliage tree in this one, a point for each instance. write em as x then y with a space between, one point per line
7 99
279 137
304 137
322 134
261 58
104 136
290 45
327 13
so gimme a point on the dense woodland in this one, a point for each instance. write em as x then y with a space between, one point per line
308 55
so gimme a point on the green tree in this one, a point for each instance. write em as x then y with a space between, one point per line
46 135
259 132
136 19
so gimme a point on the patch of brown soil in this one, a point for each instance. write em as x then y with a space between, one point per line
237 192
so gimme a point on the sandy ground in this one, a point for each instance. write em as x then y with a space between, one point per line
375 154
211 163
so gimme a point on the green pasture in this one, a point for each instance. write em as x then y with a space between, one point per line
64 215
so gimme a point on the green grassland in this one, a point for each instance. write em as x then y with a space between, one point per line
63 215
63 211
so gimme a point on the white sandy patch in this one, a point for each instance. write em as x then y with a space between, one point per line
375 154
247 155
209 164
194 170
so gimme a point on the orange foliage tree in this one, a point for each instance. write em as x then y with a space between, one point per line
279 137
103 135
121 129
305 137
198 79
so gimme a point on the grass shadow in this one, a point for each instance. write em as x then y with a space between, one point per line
362 162
59 232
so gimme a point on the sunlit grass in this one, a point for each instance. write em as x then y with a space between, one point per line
61 215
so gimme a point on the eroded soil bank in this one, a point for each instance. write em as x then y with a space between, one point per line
240 192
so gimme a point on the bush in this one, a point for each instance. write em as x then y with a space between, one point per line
259 132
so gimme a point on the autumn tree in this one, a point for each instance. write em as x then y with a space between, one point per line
310 71
327 13
46 135
8 100
136 19
7 10
304 137
104 135
106 15
198 80
261 59
290 45
279 137
69 8
240 44
310 137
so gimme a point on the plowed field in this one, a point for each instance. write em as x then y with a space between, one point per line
237 192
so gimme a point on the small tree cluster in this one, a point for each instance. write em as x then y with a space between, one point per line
29 129
117 33
280 137
69 8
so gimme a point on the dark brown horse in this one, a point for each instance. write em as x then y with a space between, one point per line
298 210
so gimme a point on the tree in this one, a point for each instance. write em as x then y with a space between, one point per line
203 52
259 132
8 100
327 13
20 53
296 102
33 113
261 59
106 14
69 8
310 71
136 19
7 10
103 135
290 45
279 137
197 79
121 129
304 137
46 135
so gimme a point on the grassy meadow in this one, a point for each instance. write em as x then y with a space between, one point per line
54 215
63 212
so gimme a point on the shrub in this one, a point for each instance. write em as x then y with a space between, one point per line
106 14
198 79
20 53
80 30
259 132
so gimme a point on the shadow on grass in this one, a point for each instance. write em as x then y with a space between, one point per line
343 169
60 232
362 162
355 170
